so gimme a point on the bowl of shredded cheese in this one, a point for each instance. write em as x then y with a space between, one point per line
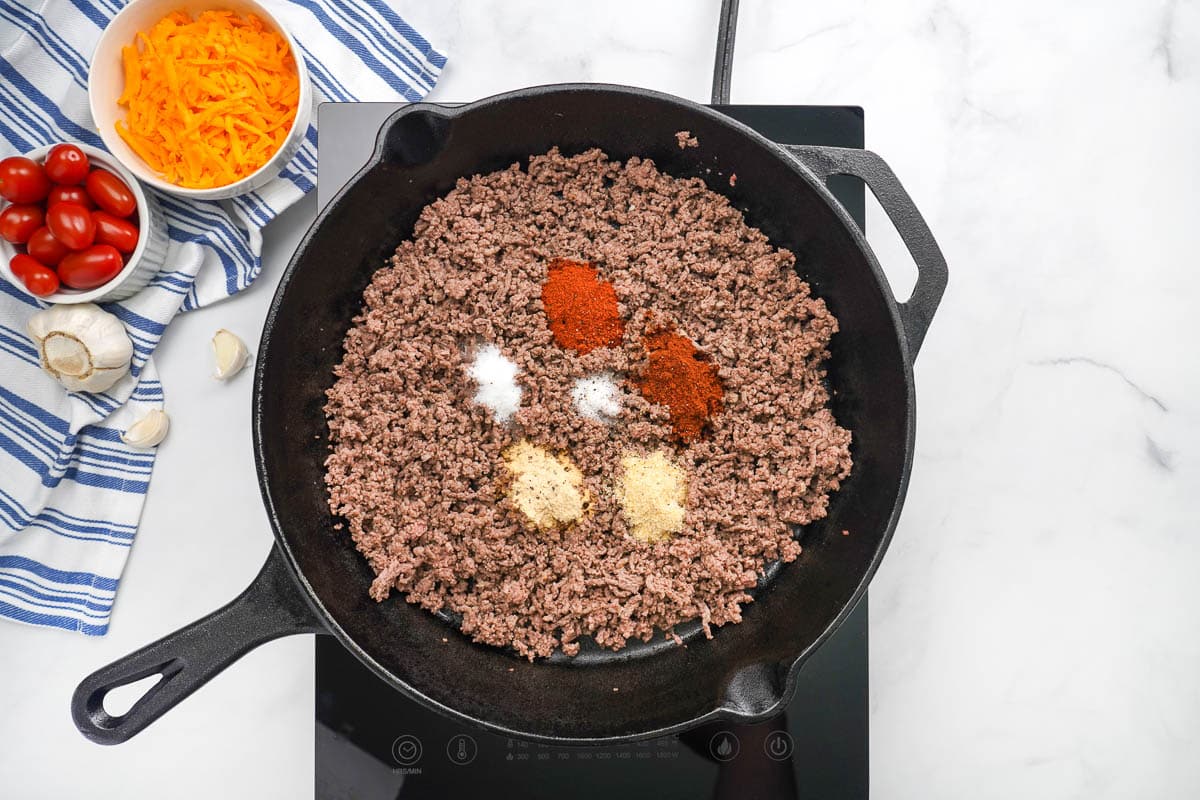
206 99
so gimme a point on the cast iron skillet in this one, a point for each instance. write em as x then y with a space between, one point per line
315 581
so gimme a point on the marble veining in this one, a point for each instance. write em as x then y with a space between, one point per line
1034 625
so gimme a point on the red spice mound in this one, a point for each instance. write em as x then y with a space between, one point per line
581 307
683 379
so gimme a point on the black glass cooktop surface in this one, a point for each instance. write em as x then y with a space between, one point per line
372 743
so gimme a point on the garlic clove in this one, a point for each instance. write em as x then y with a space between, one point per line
147 431
230 352
83 346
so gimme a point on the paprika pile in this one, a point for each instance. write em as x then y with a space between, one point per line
581 307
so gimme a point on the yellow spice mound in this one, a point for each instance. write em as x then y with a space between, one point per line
653 495
546 488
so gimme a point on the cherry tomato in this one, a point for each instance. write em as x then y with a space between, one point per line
110 193
38 279
66 165
120 233
45 248
70 194
72 225
87 269
17 223
22 180
21 264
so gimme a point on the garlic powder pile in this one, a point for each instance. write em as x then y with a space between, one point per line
653 496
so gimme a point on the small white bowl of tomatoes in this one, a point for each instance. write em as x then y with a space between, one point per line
76 226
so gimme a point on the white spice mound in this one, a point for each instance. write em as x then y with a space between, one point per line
597 397
495 377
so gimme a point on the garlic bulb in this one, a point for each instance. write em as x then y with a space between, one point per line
230 352
147 431
83 346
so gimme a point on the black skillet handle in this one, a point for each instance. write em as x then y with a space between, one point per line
917 312
271 607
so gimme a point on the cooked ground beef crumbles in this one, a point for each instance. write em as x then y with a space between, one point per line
685 139
417 467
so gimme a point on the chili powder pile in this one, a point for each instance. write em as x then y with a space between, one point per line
683 379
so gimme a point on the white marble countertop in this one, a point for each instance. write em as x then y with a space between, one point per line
1034 628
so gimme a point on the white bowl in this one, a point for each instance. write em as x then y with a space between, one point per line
106 81
145 261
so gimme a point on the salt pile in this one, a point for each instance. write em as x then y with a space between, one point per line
597 397
495 377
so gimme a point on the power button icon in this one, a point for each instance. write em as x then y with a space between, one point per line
779 746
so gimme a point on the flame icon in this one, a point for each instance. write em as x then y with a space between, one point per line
724 746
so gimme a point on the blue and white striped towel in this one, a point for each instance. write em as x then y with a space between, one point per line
71 491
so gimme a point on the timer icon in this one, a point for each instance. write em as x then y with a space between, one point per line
406 750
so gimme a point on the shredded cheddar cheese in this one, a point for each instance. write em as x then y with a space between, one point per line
209 100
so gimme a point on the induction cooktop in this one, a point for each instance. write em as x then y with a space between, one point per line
373 743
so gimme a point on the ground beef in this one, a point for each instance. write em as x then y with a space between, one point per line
416 468
685 140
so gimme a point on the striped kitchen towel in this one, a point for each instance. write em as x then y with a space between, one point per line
71 491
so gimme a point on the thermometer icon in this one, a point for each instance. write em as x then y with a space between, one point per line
462 749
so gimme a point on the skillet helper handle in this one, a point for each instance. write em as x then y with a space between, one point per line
917 312
271 607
